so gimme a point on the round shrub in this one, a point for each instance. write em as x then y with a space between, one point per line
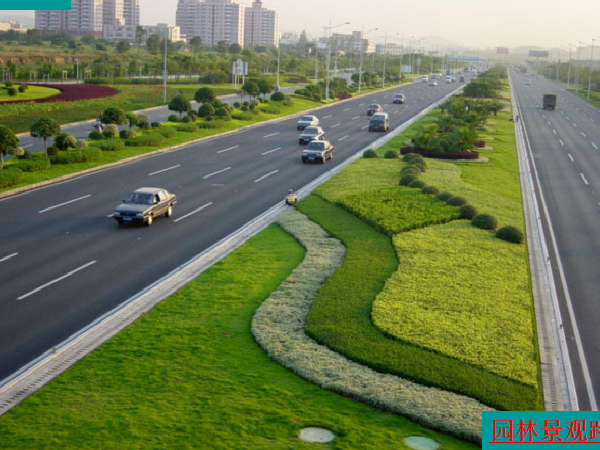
10 176
221 112
110 130
81 144
167 131
173 118
370 154
467 212
237 105
418 164
209 118
151 139
52 151
27 155
405 180
246 103
412 156
253 103
155 124
456 201
510 234
186 119
12 91
278 97
417 184
110 145
9 84
430 190
485 222
95 135
266 101
410 170
391 154
22 89
187 128
445 196
226 118
192 116
244 108
64 141
218 103
127 134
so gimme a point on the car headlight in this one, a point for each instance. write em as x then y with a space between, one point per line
116 213
139 215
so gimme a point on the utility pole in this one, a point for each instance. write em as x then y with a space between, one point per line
577 68
591 69
569 67
278 58
165 73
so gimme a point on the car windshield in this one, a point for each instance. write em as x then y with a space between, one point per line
399 96
311 131
316 145
307 119
142 199
374 107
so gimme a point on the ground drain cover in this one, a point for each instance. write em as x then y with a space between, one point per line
316 434
421 443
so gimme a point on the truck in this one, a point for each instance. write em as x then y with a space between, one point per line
549 101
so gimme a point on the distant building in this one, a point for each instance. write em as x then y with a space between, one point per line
261 26
173 33
212 20
12 25
350 43
390 49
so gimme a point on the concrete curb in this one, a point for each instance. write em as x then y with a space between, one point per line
52 363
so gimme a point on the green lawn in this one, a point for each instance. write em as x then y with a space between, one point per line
189 375
32 93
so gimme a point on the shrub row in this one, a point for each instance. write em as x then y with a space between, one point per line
10 176
34 164
110 145
440 155
87 155
151 139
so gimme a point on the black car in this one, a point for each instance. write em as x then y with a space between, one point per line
372 109
318 151
145 204
379 122
311 134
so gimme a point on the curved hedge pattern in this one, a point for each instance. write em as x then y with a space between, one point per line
71 93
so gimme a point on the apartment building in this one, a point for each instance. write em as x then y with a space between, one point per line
212 20
390 49
350 43
261 26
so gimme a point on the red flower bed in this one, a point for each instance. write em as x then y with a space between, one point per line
344 96
444 155
71 93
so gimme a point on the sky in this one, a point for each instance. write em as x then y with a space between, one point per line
471 23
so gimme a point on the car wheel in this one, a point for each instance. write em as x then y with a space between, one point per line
149 221
323 159
169 212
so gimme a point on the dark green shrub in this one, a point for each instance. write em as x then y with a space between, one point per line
266 101
391 154
64 141
110 145
272 109
370 154
110 131
52 151
34 164
95 135
22 89
430 190
192 116
127 134
317 97
167 131
410 170
456 201
467 212
10 176
278 97
418 164
247 116
405 180
445 196
186 119
155 124
244 108
417 184
412 156
510 234
12 91
59 159
151 139
221 112
26 155
485 222
187 128
212 124
237 105
9 84
209 118
173 118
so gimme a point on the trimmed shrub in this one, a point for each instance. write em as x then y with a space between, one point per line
64 141
411 157
221 112
266 101
155 124
127 134
81 144
12 91
485 222
192 115
237 105
370 154
288 101
186 119
212 124
456 201
244 108
247 116
27 155
272 109
167 131
110 145
467 212
95 135
405 180
22 89
510 234
278 97
88 155
110 130
420 184
253 103
209 118
418 164
187 128
445 196
146 140
34 164
412 170
391 154
8 84
430 190
52 151
173 118
10 176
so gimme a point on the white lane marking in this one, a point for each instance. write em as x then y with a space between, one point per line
347 109
227 149
549 123
271 135
583 134
205 177
164 170
357 117
364 128
562 144
396 112
50 208
271 151
571 158
110 215
342 138
6 258
72 272
594 145
362 104
336 125
574 124
568 118
327 117
193 212
265 176
554 131
27 146
584 180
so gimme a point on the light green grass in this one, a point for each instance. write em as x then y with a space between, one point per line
189 375
32 93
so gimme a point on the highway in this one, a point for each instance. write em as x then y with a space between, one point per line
64 261
565 148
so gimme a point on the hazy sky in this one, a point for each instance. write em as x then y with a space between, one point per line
476 23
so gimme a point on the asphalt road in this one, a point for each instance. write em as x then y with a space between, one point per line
565 146
65 262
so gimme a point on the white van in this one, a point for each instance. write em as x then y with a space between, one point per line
425 79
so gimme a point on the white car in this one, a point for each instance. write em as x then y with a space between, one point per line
424 79
307 121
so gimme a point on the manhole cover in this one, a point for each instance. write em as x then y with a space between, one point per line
421 443
316 434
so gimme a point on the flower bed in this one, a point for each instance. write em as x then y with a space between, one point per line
71 93
440 155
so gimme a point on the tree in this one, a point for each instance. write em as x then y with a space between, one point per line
221 47
251 88
205 95
114 115
123 47
179 104
88 39
9 143
64 141
132 120
235 49
196 44
140 34
44 128
153 44
264 87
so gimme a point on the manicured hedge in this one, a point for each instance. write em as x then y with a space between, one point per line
146 140
187 128
167 131
87 155
212 124
34 164
110 145
10 176
441 155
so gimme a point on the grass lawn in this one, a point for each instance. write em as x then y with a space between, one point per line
32 93
582 93
189 375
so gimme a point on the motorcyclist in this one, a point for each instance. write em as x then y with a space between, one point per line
291 198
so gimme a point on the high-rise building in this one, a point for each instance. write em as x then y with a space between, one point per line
261 26
212 20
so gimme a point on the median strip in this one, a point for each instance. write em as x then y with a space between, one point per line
71 273
193 212
63 204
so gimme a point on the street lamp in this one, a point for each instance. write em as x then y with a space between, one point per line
278 59
569 66
385 55
165 72
329 28
577 68
362 52
591 69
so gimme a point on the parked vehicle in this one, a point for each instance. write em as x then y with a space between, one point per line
307 121
311 134
379 122
549 101
374 108
317 151
399 99
143 205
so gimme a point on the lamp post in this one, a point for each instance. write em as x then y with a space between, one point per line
569 67
329 28
76 70
385 55
278 59
140 68
165 72
591 69
401 57
577 68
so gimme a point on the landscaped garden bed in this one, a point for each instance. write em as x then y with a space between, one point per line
71 93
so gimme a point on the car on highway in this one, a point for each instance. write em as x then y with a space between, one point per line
145 204
453 79
374 108
527 81
433 82
462 79
311 134
379 122
448 79
399 99
317 151
307 121
424 79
